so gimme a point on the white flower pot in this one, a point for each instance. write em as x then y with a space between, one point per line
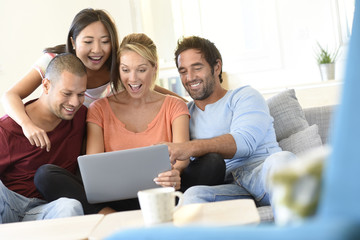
327 71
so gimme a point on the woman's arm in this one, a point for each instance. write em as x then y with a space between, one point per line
14 107
180 129
95 139
95 144
168 92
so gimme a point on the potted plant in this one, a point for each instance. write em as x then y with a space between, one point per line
326 61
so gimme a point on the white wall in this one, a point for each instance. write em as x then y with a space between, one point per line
27 27
291 30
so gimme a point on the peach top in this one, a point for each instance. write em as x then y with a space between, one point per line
117 137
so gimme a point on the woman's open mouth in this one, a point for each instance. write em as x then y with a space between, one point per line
135 87
95 59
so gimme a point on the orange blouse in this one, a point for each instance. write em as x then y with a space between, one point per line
117 137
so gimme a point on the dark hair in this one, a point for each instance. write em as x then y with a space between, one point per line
206 48
57 49
142 45
64 62
84 18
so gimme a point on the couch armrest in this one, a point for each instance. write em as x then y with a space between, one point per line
322 116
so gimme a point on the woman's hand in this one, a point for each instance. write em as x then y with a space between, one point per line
36 136
169 179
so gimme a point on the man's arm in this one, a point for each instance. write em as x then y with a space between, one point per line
224 145
250 122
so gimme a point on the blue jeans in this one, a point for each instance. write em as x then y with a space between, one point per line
16 208
249 182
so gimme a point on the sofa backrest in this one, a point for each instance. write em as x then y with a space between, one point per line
322 116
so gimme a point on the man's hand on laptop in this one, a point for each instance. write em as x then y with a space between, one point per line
179 151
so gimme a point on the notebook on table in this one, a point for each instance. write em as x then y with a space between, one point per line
118 175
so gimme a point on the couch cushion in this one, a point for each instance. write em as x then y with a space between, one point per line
302 141
288 115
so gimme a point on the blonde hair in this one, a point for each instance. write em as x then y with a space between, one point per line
142 45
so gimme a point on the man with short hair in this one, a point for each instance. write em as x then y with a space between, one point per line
59 111
233 123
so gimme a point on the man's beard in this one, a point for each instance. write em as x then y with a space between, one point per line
205 92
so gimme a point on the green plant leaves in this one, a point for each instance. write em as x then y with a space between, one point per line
323 56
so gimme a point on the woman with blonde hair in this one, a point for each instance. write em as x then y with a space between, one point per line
138 116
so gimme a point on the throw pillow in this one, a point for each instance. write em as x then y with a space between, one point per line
302 141
288 115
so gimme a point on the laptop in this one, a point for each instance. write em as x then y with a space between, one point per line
118 175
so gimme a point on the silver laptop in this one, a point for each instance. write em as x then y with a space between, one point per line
119 175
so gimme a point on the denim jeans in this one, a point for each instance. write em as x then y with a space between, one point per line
16 208
249 181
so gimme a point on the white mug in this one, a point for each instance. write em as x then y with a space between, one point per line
158 204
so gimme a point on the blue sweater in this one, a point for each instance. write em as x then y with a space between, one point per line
244 114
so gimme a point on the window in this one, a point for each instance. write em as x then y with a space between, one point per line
264 43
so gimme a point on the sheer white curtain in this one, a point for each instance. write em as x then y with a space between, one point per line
265 43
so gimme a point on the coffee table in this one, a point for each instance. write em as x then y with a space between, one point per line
225 213
78 227
98 226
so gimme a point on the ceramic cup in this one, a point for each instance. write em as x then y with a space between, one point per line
158 204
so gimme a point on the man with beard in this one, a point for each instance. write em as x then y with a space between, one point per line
233 123
59 111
